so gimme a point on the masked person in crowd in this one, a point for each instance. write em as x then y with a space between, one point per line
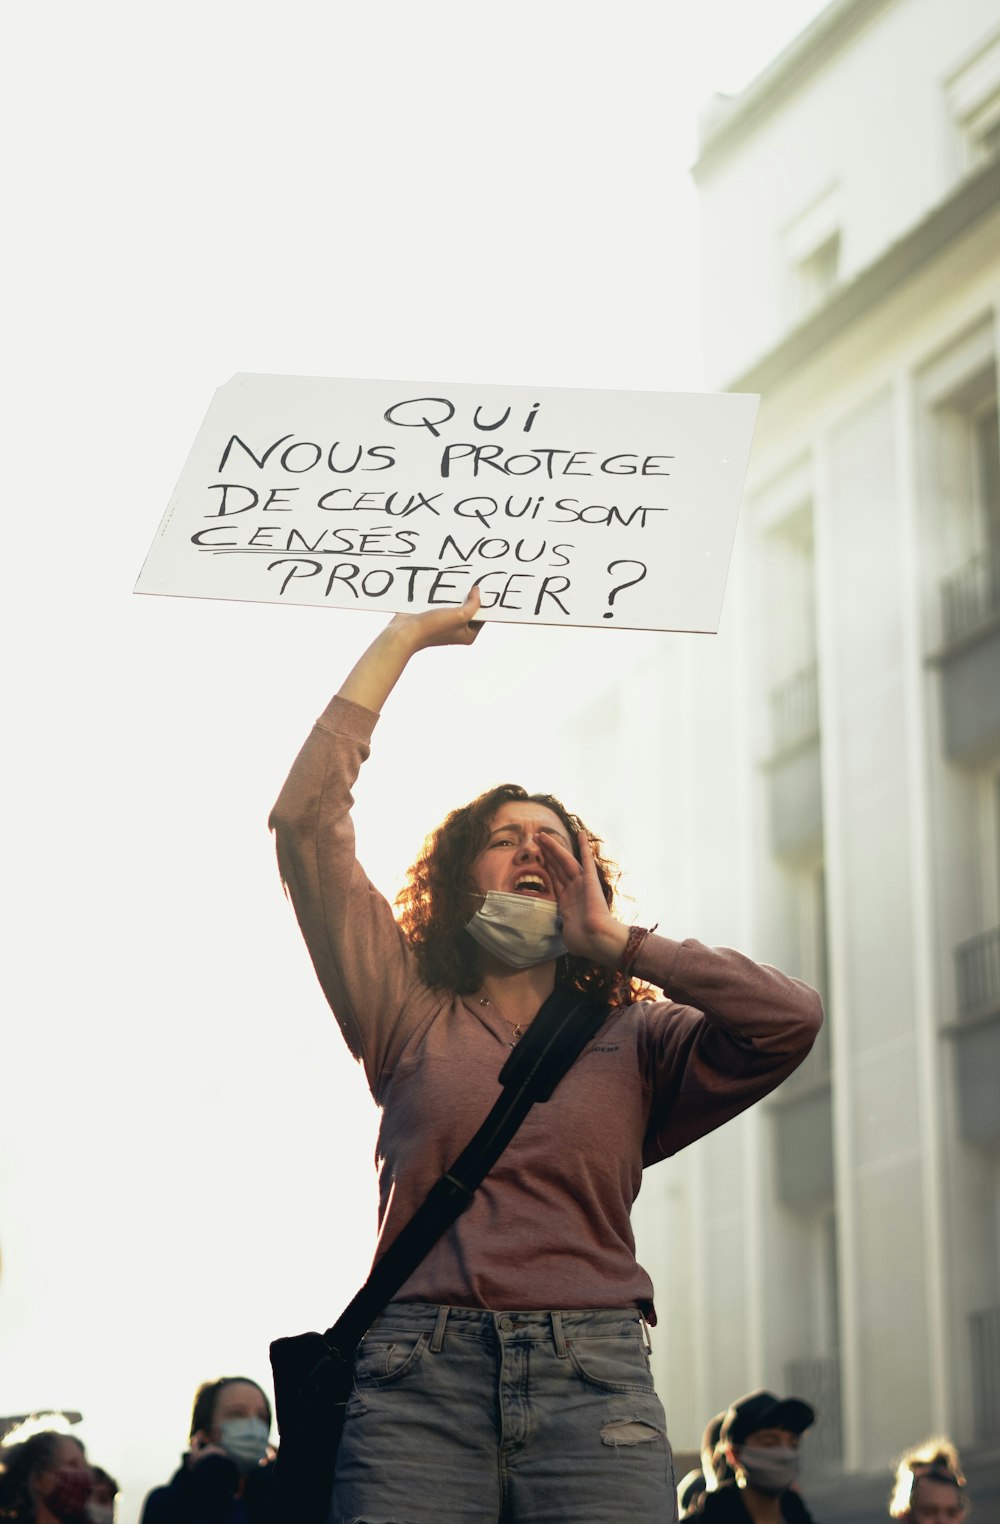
510 1377
44 1479
760 1435
225 1475
101 1507
936 1497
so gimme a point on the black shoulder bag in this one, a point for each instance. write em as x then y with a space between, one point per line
313 1372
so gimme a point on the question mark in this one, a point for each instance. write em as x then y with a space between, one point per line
623 585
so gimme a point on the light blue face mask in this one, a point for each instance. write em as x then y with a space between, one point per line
518 929
244 1441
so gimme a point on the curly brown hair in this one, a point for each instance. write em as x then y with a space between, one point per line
20 1462
434 904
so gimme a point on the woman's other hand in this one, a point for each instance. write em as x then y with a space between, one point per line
589 929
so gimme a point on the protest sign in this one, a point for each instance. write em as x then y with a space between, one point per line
615 509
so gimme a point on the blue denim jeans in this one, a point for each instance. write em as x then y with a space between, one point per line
461 1416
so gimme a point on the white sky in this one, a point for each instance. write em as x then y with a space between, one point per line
434 191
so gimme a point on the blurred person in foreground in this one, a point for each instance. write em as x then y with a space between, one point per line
44 1479
937 1453
101 1508
936 1497
225 1475
760 1436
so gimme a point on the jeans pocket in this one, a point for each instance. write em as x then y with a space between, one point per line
382 1361
384 1357
613 1365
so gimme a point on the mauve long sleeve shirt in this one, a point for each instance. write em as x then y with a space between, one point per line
549 1227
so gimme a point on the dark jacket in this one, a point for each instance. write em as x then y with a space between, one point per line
725 1506
204 1494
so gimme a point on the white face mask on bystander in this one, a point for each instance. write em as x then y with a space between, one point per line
519 930
769 1468
244 1441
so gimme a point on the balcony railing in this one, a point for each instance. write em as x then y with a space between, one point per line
984 1330
817 1381
970 597
977 975
795 709
815 1068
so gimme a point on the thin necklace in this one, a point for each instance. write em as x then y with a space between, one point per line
518 1031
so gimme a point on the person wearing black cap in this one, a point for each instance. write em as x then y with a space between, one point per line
760 1435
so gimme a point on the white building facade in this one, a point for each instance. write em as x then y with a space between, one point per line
827 770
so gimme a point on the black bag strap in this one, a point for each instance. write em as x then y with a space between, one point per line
565 1023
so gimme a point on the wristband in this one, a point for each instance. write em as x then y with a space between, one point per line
636 936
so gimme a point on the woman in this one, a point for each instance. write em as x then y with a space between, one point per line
936 1454
511 1376
225 1474
44 1479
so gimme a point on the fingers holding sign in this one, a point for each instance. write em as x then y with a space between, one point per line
376 674
449 626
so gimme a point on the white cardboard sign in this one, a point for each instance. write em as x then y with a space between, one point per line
565 506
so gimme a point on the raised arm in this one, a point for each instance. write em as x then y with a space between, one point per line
361 959
374 676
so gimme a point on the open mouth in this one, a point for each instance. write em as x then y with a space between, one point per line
532 883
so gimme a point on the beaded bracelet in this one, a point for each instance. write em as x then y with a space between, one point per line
636 936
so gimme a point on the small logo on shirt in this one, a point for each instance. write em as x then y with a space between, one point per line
605 1048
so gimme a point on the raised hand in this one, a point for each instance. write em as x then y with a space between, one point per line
589 929
449 626
375 675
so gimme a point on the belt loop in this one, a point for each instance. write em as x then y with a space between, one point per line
558 1337
437 1338
647 1342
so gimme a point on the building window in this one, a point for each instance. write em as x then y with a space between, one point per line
973 97
970 595
790 683
977 959
813 966
816 275
812 254
975 1031
789 578
961 477
816 1378
984 1339
994 794
986 429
